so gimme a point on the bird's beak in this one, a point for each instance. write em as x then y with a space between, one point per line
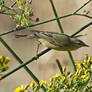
87 45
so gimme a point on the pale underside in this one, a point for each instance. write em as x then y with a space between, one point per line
52 46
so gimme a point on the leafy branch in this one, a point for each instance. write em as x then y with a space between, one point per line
68 82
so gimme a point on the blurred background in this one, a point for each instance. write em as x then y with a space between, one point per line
46 65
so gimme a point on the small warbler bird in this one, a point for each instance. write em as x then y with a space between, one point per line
57 41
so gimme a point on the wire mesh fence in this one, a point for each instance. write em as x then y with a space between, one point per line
57 18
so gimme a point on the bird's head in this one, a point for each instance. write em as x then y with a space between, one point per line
78 43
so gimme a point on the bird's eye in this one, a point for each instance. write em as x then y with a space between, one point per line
79 43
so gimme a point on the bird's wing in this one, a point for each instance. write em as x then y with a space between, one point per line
54 38
61 39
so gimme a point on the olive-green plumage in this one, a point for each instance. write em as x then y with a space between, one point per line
57 41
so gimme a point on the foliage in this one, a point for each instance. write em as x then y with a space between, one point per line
2 2
69 82
3 63
20 12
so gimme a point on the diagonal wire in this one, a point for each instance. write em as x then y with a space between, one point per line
50 19
40 54
81 29
36 24
20 61
61 29
82 6
56 15
25 63
43 22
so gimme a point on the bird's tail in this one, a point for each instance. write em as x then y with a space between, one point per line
19 35
33 34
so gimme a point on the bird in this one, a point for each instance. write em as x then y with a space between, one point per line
55 40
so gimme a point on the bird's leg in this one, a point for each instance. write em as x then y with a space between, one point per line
38 45
38 48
